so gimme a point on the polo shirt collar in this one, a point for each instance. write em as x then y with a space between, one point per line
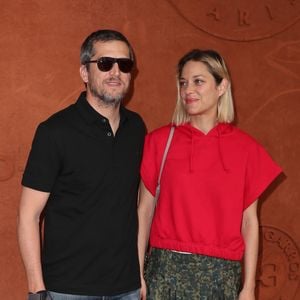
92 116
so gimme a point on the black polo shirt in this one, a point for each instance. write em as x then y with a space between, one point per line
90 228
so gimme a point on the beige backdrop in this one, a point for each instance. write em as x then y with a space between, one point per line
39 61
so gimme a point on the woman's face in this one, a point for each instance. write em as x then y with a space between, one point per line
199 91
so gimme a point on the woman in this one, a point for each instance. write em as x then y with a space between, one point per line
205 220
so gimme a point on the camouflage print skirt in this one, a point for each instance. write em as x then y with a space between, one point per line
171 275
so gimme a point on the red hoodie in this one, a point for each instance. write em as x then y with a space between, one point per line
207 183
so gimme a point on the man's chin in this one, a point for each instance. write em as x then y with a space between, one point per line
111 100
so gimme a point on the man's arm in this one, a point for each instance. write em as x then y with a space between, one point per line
250 235
31 205
146 208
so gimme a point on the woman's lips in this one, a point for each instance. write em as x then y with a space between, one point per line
190 100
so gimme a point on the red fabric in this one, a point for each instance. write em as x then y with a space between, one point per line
207 182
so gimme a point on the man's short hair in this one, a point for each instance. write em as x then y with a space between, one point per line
105 35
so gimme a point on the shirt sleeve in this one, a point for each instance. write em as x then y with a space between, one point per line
43 163
149 172
260 172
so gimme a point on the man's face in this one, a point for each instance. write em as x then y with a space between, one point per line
109 87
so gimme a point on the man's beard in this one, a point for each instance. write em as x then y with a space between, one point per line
106 98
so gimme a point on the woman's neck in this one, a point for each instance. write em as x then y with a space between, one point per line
203 124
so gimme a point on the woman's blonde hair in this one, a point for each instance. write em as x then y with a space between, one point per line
217 68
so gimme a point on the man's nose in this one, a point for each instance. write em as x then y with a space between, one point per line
115 69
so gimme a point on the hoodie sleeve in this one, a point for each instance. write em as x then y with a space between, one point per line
260 172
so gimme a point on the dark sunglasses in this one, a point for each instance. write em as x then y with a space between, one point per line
105 64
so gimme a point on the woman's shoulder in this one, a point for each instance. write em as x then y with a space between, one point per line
160 132
245 138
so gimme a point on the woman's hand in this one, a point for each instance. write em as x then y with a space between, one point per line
247 294
143 289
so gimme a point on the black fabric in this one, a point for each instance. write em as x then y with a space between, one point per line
90 227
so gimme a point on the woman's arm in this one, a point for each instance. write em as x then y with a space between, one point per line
250 236
146 207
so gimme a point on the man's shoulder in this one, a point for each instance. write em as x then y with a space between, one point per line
135 120
58 124
132 114
60 117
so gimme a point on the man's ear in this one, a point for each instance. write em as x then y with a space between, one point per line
223 86
84 73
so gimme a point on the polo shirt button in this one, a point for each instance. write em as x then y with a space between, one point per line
109 134
103 120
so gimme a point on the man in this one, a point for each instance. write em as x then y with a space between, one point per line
83 173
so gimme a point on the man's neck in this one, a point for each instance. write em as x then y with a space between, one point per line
111 112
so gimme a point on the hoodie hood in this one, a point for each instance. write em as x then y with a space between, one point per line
218 133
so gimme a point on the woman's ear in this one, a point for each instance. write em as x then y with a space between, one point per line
223 86
84 73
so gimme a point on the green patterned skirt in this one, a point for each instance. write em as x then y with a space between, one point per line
176 276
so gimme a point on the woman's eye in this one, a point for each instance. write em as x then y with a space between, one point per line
182 83
198 81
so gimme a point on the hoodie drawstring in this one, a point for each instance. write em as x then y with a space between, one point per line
220 149
192 154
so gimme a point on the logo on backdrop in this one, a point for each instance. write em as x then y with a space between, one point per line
242 20
279 265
